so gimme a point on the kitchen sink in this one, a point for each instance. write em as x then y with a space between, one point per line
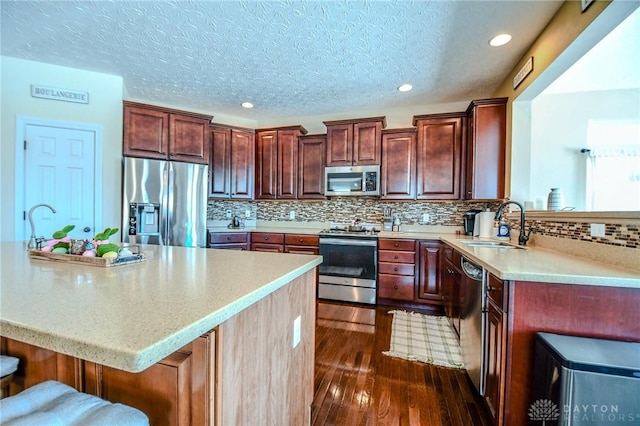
490 244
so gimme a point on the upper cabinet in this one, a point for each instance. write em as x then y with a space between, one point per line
485 151
277 162
439 155
398 168
311 160
354 142
232 162
166 134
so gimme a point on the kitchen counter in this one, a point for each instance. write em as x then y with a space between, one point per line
532 263
131 316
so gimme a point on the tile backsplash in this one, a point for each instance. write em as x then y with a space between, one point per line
369 210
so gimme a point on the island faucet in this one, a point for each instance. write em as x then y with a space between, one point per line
524 236
32 240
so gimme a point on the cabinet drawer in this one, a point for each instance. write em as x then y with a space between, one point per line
397 256
271 248
398 245
395 287
267 237
227 238
496 293
301 249
396 268
301 240
238 246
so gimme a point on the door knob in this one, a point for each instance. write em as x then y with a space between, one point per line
86 229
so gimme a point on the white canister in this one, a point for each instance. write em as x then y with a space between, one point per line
555 200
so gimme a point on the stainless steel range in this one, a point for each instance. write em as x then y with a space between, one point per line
349 269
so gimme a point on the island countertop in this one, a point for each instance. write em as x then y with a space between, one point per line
131 316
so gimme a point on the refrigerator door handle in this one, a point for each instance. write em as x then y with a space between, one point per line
167 196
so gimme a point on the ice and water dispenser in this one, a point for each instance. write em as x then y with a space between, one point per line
585 381
144 219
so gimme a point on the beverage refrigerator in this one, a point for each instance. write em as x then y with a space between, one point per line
164 202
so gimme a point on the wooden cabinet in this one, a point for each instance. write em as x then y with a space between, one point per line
451 288
311 160
229 240
175 391
396 270
277 162
267 241
439 155
166 134
398 167
354 142
485 149
301 244
495 335
231 163
429 273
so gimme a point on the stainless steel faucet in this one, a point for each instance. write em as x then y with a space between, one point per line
32 240
524 236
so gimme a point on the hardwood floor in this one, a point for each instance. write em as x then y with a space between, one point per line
356 385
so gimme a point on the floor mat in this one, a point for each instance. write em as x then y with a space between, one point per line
425 338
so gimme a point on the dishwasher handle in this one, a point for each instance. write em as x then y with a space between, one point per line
470 269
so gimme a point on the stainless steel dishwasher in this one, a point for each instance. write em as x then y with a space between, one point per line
473 314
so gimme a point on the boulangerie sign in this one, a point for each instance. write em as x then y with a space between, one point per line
58 94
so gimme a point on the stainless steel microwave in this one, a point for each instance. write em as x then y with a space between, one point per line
348 181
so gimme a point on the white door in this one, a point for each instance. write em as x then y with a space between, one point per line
59 171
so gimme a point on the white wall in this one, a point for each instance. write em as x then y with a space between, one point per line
104 109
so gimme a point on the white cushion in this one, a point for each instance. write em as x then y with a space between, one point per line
8 365
54 403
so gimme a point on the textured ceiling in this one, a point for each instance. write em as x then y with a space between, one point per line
289 58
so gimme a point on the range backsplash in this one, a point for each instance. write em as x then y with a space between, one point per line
369 210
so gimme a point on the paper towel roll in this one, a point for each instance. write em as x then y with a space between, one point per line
486 224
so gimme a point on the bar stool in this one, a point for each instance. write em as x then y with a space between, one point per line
53 403
8 366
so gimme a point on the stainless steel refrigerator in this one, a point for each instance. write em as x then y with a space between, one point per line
164 202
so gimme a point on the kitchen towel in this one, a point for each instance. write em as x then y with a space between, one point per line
425 338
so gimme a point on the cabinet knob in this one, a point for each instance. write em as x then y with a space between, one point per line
228 238
300 240
395 257
395 269
395 286
266 238
396 245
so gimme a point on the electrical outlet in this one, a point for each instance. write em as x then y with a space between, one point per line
292 214
597 229
228 214
425 217
296 331
247 214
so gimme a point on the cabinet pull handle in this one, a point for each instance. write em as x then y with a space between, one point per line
489 288
395 286
300 240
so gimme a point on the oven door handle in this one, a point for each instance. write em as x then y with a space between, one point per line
348 242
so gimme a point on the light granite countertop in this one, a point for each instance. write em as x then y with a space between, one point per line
131 316
533 263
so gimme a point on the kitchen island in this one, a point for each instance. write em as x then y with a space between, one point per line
107 330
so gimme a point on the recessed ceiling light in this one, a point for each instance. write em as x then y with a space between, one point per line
405 88
247 105
500 40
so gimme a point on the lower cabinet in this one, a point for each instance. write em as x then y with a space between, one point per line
429 273
267 241
495 336
228 240
175 391
451 288
396 271
301 244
